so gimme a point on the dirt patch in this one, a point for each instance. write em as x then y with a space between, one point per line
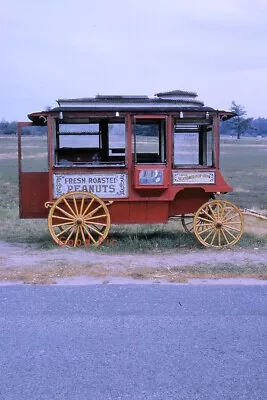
28 264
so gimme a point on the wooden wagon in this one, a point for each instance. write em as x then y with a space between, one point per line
130 160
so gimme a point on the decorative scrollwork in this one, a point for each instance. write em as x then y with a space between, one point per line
223 117
48 204
43 118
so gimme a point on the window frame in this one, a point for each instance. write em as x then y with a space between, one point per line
202 143
161 121
100 149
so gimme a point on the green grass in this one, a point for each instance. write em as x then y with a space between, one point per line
242 163
244 166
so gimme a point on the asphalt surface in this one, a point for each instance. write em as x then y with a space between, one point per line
135 342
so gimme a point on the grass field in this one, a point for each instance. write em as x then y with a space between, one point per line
243 163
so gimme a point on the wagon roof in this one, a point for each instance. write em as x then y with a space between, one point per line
171 101
128 101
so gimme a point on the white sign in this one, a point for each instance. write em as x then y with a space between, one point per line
193 177
103 185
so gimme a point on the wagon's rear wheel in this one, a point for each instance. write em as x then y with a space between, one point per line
79 219
188 222
218 223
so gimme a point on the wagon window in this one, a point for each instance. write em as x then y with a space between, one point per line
90 142
193 144
78 135
149 141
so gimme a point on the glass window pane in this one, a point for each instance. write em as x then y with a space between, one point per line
116 133
79 128
186 148
149 141
79 141
147 138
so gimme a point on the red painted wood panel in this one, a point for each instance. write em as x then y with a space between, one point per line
33 194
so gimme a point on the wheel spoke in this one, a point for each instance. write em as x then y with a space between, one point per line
82 232
76 236
206 238
213 237
68 238
188 223
221 210
69 207
208 215
219 237
65 230
95 230
75 204
231 227
207 229
210 224
204 219
225 237
100 223
63 218
89 234
229 219
64 212
93 211
87 208
228 213
212 212
229 233
62 224
93 218
82 203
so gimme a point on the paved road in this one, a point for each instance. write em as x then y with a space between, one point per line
133 342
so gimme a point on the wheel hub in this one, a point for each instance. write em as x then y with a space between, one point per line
218 224
79 221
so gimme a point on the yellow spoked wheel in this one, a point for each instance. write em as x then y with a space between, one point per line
79 219
218 223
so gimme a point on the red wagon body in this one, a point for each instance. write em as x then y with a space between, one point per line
149 159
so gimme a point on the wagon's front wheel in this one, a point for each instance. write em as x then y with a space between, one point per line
79 219
218 223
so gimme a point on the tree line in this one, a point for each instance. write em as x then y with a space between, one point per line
10 128
241 125
238 126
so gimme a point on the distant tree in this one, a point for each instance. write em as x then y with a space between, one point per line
8 128
239 124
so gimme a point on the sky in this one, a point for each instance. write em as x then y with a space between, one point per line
79 48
